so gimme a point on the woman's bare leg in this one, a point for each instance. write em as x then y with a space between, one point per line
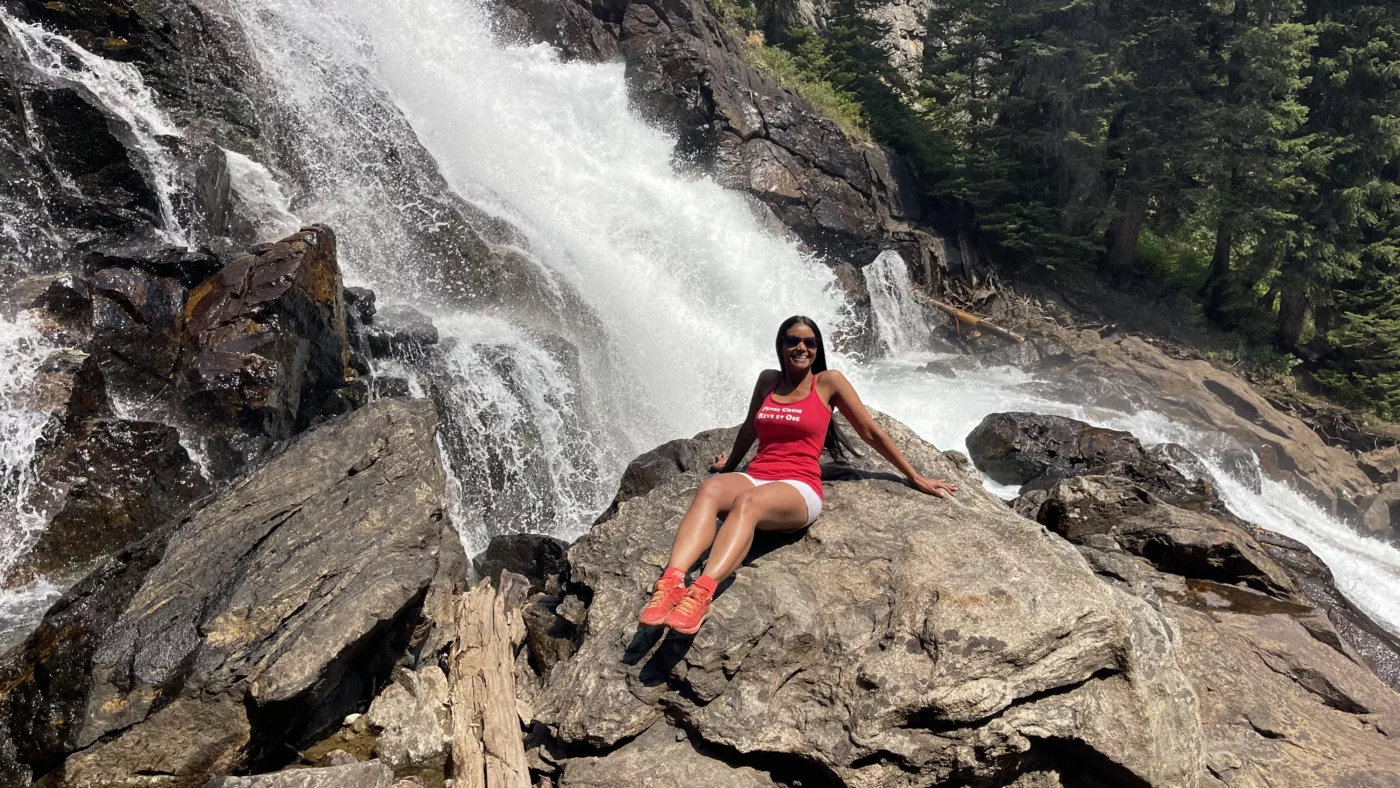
697 531
772 507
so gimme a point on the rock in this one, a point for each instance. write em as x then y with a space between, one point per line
1026 448
1377 648
552 629
108 483
412 720
186 737
137 325
70 387
533 556
902 640
941 368
1281 707
341 757
1176 541
400 329
1129 374
660 758
1380 512
1382 464
268 336
669 461
372 774
290 595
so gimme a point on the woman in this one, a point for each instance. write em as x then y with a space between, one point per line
781 490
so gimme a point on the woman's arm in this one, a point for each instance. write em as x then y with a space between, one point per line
845 399
729 461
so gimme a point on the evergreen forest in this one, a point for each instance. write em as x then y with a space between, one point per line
1244 155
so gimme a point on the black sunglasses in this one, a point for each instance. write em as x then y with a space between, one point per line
791 340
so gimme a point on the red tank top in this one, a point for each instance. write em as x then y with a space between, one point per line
790 438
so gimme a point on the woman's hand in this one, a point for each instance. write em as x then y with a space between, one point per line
936 487
718 464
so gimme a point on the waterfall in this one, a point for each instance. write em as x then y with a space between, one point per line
900 322
592 301
944 411
121 90
22 351
652 298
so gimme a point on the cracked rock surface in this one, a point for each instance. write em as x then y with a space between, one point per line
903 640
261 620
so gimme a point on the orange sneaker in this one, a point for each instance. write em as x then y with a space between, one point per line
668 592
690 613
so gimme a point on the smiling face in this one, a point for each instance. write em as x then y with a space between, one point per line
797 356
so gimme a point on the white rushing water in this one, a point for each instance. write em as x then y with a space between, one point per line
652 298
120 88
664 289
902 325
22 351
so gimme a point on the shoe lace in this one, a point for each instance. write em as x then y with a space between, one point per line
695 598
658 597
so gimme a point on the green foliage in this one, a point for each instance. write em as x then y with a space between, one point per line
740 12
1242 154
842 107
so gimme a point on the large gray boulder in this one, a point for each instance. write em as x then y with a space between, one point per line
903 640
258 622
1283 701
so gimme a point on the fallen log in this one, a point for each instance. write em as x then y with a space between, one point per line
964 317
487 748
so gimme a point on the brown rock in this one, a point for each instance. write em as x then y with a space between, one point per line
902 640
106 484
268 336
1181 542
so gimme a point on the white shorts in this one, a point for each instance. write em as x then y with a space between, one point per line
814 501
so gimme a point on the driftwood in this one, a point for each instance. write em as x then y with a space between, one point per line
487 748
964 317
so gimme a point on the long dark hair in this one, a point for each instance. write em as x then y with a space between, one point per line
836 444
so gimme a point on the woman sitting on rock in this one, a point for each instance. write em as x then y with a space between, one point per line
781 490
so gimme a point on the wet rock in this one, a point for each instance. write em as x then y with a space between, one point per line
60 305
190 267
1380 512
533 556
1376 648
902 640
1180 542
85 146
399 329
108 483
1027 448
1130 374
268 337
412 720
70 387
137 326
941 368
290 595
372 774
